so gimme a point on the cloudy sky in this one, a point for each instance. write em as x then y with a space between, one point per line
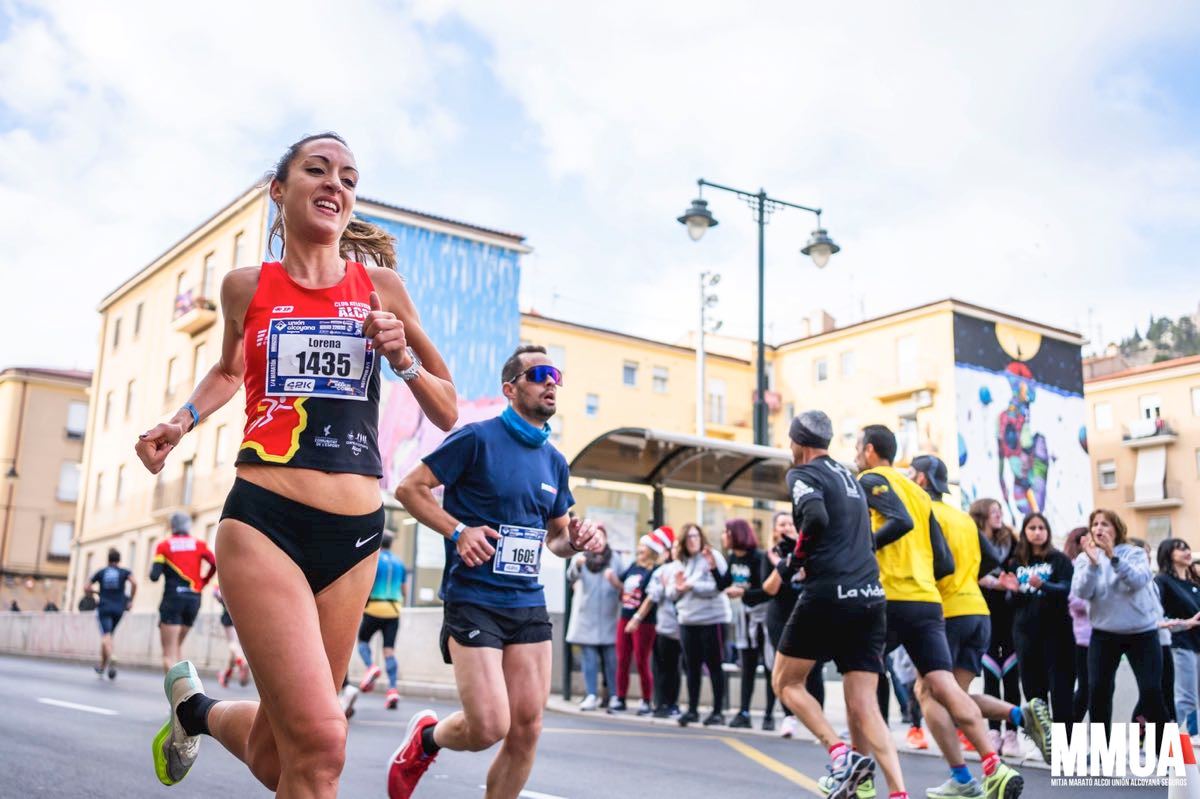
1043 159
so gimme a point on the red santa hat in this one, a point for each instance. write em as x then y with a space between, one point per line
660 540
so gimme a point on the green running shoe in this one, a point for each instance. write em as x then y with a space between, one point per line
1005 783
866 788
173 749
1036 722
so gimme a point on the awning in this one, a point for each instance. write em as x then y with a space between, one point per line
671 460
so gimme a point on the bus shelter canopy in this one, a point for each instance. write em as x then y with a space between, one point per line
671 460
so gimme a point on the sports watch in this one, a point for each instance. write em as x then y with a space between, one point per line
414 369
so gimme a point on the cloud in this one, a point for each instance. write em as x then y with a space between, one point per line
127 126
1019 157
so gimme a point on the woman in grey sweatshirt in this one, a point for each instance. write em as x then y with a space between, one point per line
594 609
702 609
1116 580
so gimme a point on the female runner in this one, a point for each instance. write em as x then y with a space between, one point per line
301 527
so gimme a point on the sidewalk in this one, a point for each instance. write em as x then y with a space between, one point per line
835 711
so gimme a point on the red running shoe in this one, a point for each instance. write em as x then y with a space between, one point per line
223 677
393 699
368 680
409 763
966 743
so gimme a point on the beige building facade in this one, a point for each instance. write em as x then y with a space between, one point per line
43 425
1144 439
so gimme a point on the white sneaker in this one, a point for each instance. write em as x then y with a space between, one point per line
993 737
174 750
1010 745
347 697
589 702
789 728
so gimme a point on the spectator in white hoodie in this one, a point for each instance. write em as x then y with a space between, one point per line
702 609
1116 580
594 610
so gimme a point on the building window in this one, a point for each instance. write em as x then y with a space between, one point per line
132 562
120 493
76 420
129 389
557 356
908 439
629 373
820 370
660 379
99 496
220 453
1103 415
847 363
1150 406
906 360
189 475
199 364
1106 473
210 268
68 482
789 412
172 377
60 540
1157 529
239 250
116 332
1196 402
716 402
556 429
592 405
182 276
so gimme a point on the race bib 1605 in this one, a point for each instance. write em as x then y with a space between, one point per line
519 551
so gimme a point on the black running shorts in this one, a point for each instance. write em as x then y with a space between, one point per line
968 638
852 635
495 628
921 630
109 617
373 624
179 609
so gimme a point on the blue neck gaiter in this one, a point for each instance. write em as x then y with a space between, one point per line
523 431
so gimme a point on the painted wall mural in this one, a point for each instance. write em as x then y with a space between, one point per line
466 293
1020 413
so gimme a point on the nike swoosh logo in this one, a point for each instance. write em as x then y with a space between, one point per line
364 540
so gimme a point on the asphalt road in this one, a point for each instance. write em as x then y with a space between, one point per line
65 733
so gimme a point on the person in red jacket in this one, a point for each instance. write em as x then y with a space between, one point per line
178 560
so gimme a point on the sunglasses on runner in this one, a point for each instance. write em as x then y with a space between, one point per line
538 374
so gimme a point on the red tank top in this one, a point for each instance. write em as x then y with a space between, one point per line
312 384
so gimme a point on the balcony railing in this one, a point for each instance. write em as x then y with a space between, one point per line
1171 497
1155 432
193 313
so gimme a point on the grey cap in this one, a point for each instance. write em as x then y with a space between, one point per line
934 469
812 429
181 522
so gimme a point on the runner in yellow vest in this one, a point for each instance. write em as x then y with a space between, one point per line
907 536
968 629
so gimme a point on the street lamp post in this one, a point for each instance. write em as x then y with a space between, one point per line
820 246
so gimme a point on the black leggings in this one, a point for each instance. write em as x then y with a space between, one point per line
1168 687
1048 666
666 671
1081 684
702 647
750 659
1145 658
1001 674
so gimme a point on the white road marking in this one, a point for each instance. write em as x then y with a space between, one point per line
102 711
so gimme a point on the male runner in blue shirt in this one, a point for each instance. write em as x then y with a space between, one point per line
112 605
506 494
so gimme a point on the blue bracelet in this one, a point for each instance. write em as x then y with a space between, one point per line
190 408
